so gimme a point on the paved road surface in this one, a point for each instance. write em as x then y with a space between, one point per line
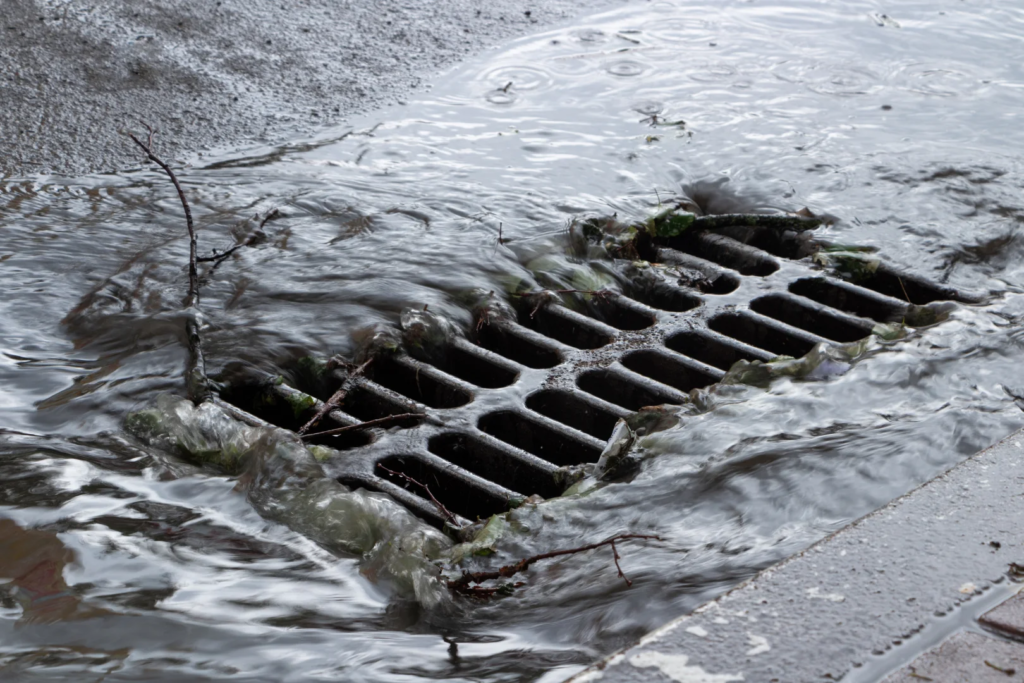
223 72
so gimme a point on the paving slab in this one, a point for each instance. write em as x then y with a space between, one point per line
966 658
863 602
1007 618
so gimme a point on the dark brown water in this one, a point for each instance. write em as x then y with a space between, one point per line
126 563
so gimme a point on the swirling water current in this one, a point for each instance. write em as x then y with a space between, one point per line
902 121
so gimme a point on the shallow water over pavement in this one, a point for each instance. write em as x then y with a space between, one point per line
903 126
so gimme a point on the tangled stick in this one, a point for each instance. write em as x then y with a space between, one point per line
195 377
449 518
462 584
379 422
219 258
335 400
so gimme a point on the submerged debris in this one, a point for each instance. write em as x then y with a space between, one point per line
822 362
284 482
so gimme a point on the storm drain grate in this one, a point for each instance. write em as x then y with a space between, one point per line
503 413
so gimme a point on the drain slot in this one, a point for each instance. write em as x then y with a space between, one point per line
538 438
454 492
820 322
847 297
630 393
474 367
283 406
510 470
567 327
712 350
661 367
570 409
418 383
762 334
707 276
516 344
725 251
363 402
909 288
667 298
621 314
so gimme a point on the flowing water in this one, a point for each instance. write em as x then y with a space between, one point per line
903 122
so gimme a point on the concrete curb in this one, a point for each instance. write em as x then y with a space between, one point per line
862 602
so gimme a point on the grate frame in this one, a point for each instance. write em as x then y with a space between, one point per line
507 409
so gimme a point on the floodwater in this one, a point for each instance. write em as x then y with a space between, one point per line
126 563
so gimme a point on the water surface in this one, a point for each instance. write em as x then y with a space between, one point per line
900 121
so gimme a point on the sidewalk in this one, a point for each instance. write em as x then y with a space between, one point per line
872 600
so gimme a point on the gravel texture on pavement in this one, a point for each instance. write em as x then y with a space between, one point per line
214 73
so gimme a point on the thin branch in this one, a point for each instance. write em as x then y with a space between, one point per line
335 400
193 271
195 376
218 258
369 424
449 518
462 584
615 556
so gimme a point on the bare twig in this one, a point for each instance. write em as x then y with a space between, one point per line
369 424
196 379
218 258
615 556
462 584
335 400
449 518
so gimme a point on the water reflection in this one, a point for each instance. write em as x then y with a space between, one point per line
33 560
910 144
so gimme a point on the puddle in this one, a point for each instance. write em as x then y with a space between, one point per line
910 144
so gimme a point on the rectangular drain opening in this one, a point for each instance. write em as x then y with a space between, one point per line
369 405
749 330
727 252
847 298
455 493
614 388
663 368
905 287
494 464
416 384
271 404
564 329
665 297
475 369
695 272
617 312
792 312
710 350
518 347
537 438
568 408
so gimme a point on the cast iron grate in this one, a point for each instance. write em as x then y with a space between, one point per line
504 411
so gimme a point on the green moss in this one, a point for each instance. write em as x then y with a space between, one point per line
320 453
300 403
669 223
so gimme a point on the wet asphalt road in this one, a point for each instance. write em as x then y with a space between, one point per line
217 73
